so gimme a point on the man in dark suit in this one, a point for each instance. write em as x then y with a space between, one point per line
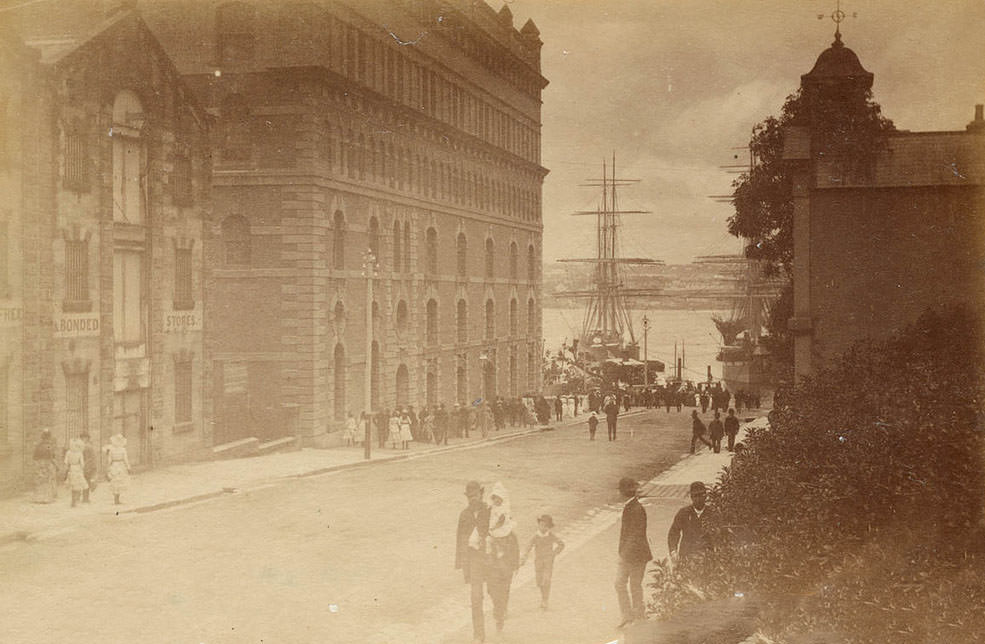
610 404
634 553
686 537
470 553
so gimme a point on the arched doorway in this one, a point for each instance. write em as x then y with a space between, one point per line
403 386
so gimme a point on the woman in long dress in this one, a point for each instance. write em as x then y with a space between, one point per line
504 551
75 462
393 429
118 466
45 471
349 434
406 436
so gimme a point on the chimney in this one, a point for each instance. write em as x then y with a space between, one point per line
978 125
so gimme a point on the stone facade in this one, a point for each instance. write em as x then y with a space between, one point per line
111 264
873 249
401 127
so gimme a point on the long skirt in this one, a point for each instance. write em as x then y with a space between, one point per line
119 477
45 486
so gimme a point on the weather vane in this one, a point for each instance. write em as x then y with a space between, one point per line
838 16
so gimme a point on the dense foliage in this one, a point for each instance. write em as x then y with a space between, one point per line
859 510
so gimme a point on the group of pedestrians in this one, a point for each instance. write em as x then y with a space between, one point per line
716 430
487 552
78 467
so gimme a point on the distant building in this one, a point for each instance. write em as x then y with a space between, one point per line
875 249
408 128
104 191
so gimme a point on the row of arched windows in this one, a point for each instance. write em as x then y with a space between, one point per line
236 243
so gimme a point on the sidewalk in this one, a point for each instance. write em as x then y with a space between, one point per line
182 484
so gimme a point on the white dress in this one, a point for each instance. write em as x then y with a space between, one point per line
119 468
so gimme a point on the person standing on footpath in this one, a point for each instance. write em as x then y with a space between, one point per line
731 428
470 553
75 470
593 424
504 552
45 470
118 469
716 430
686 537
698 430
441 425
558 408
611 407
91 467
634 553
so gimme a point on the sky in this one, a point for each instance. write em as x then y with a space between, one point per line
672 86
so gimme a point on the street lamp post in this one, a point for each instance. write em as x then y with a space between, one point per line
646 363
369 272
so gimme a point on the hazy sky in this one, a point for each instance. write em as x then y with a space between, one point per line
671 85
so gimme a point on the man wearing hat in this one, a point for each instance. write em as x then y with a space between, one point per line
686 536
634 553
470 552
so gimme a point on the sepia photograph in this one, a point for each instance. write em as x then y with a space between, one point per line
492 321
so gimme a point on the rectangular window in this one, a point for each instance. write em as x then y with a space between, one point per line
76 405
128 327
76 174
183 392
77 276
181 182
184 298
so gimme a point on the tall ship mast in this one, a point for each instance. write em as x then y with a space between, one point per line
607 327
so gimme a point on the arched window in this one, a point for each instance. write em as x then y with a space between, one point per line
374 376
463 255
236 240
531 318
531 264
490 258
373 235
397 257
402 318
362 153
514 315
532 367
514 260
339 317
513 373
235 34
338 239
461 381
431 388
340 379
490 320
462 321
403 386
432 251
406 246
432 322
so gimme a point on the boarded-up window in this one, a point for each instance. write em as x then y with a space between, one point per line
184 298
77 276
181 181
183 392
76 170
128 297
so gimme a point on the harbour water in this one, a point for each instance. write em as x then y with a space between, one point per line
692 328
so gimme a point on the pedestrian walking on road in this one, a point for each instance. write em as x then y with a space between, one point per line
349 433
716 430
503 550
118 466
731 428
558 408
698 430
45 470
686 537
593 424
470 553
75 470
611 408
634 553
91 467
546 547
406 435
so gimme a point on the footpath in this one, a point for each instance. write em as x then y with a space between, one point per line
196 482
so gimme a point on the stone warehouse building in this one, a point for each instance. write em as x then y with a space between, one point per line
411 129
875 247
104 192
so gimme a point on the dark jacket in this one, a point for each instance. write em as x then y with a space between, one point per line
687 530
468 520
731 425
697 427
716 429
633 546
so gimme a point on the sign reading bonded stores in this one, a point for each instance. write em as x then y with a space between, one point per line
75 325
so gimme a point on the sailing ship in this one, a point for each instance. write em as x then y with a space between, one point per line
607 334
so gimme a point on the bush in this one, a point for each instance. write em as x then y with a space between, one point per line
859 508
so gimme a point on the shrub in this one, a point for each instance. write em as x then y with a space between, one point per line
858 508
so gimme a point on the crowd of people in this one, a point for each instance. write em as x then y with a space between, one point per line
78 467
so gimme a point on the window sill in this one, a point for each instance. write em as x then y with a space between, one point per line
183 428
77 306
